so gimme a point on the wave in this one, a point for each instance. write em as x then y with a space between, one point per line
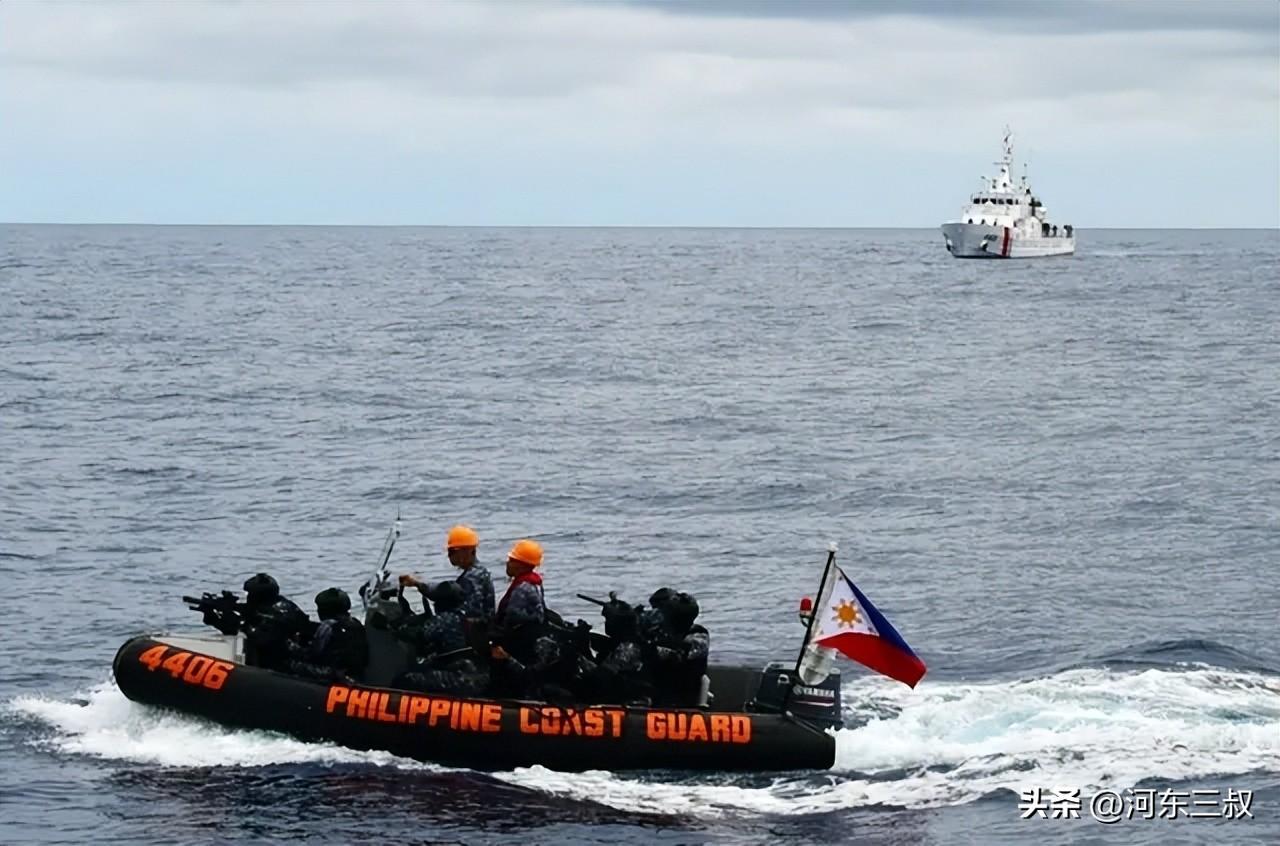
1185 652
105 724
25 375
946 743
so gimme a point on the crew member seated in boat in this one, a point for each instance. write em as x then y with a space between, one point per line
548 672
679 661
429 633
477 585
523 652
269 621
337 650
523 608
652 624
444 657
618 675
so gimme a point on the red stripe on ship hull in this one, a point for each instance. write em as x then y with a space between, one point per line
1004 247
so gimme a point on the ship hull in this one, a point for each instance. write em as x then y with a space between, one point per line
480 733
973 240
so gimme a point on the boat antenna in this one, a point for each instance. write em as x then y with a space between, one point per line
382 574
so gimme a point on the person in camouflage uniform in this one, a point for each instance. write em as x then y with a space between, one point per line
269 622
444 662
678 658
523 611
443 631
652 623
477 589
523 652
618 674
477 585
546 671
337 650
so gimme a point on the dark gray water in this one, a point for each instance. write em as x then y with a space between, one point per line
1060 479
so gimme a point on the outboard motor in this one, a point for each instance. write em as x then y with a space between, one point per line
781 690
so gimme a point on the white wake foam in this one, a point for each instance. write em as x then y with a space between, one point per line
946 743
110 726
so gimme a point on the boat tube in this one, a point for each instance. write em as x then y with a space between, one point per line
755 720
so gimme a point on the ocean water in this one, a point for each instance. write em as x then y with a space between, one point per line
1060 479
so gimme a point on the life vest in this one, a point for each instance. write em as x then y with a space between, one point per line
530 577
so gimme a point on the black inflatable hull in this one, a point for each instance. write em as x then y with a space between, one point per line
474 733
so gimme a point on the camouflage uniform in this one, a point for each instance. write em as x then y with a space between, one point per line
619 676
477 586
653 626
337 651
435 634
678 665
549 673
436 670
269 628
525 606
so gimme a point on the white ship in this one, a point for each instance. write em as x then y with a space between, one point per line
1005 220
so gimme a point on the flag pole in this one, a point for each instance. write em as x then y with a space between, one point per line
817 603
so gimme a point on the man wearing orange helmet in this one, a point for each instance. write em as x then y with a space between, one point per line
524 655
477 586
523 603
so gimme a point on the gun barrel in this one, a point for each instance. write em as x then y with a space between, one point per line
212 601
593 600
453 653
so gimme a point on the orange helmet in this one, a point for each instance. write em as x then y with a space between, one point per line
461 536
527 552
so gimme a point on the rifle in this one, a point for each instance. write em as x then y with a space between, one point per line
226 602
578 636
603 603
222 611
440 659
610 607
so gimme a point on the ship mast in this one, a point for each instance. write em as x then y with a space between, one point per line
1004 182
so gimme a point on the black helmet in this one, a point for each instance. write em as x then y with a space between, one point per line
261 588
681 610
661 597
446 596
620 620
332 602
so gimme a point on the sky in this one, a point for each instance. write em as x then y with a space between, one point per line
1157 113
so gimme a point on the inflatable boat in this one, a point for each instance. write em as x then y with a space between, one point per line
783 717
754 719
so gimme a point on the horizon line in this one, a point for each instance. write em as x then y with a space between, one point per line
590 226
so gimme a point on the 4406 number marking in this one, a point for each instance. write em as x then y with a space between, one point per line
199 670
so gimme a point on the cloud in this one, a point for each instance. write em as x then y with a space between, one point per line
1249 16
634 78
848 58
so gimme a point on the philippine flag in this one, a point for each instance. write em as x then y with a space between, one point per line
851 625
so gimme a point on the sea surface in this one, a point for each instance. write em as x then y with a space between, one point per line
1059 478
